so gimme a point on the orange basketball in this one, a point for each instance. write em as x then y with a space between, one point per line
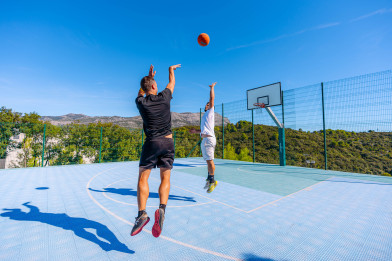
203 39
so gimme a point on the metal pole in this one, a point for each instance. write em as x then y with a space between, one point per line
43 147
325 135
282 139
200 127
282 147
282 109
194 148
100 146
253 137
223 132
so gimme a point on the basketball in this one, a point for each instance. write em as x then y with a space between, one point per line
203 39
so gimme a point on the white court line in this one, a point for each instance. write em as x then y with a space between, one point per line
130 204
149 232
207 198
256 172
272 202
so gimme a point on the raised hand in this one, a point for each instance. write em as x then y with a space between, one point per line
212 85
173 67
151 72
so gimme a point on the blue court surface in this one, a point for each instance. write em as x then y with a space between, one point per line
257 212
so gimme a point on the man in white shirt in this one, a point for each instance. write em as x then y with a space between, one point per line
209 141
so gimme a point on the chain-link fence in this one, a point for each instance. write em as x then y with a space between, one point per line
44 144
341 125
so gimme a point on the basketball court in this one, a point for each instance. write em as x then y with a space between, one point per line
257 212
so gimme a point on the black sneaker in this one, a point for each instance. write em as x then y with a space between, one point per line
140 222
158 225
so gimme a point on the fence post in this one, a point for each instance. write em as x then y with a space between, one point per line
282 109
282 147
253 137
200 127
282 139
223 132
100 146
325 135
43 147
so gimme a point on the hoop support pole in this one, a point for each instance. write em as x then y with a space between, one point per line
273 116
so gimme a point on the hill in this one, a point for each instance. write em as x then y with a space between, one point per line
178 120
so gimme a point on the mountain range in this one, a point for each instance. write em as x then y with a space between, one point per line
178 120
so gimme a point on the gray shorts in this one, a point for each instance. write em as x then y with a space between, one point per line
208 148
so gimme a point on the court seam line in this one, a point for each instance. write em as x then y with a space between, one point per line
149 232
272 202
130 204
207 197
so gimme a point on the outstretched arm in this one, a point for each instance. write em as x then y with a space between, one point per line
172 79
33 209
212 95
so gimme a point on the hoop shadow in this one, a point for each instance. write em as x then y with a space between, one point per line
252 257
131 192
77 225
42 188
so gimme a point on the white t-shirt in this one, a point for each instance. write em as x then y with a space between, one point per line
208 123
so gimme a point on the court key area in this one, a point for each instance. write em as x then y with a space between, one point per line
257 212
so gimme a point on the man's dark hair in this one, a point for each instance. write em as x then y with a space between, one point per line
146 83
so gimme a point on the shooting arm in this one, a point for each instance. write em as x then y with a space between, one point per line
172 79
212 95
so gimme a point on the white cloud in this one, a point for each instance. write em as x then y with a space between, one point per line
201 85
378 12
319 27
323 26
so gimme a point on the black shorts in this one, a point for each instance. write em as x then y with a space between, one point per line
157 152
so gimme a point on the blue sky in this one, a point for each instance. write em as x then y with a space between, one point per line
71 57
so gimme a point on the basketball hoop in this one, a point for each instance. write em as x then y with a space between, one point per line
261 105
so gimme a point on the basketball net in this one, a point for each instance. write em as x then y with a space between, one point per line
259 107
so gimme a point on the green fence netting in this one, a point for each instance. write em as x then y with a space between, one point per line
343 125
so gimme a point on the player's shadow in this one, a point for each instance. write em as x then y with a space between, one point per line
131 192
75 224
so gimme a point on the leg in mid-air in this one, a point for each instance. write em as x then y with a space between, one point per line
208 150
142 195
164 190
212 183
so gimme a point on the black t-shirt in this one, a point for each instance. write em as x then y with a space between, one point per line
155 112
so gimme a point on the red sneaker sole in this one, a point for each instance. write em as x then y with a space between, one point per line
156 229
140 229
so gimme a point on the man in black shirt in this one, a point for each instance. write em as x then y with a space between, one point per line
158 149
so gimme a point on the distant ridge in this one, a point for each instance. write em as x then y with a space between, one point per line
178 120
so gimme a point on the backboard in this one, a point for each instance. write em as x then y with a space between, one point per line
270 95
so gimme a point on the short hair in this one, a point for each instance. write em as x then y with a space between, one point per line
146 83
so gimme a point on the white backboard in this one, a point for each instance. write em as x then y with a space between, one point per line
270 95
